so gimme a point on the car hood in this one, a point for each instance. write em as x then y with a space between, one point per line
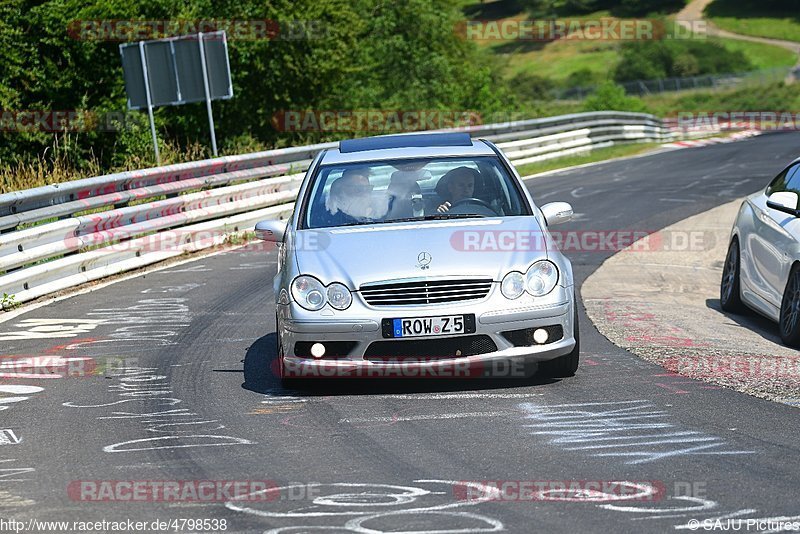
358 255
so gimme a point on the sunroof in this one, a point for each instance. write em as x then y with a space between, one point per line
405 141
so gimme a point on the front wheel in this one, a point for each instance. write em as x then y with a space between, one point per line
280 366
730 298
566 365
790 310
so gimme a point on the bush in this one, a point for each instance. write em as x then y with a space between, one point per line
582 78
666 59
529 87
612 97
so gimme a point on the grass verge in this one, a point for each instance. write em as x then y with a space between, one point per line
756 18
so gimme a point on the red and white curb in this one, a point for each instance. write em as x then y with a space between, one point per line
693 143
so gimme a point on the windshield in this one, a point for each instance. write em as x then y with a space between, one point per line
407 190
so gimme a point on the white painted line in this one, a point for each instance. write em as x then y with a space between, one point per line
445 396
19 390
411 396
7 437
9 400
428 417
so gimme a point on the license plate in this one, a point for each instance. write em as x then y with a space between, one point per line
444 325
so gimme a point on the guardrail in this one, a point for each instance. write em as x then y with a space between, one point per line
49 242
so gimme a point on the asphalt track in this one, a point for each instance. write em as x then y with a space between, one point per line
198 402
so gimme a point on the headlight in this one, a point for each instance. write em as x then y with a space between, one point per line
339 296
541 278
308 292
513 285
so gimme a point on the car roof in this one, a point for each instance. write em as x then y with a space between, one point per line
405 146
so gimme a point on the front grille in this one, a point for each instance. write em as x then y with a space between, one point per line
422 349
426 291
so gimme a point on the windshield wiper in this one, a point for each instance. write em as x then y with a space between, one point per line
438 217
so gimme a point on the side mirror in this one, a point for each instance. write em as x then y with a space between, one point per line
271 230
785 201
557 212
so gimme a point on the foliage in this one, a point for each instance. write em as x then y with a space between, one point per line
531 87
665 59
777 96
8 302
612 97
621 8
364 55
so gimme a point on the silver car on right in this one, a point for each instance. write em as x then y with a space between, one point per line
762 267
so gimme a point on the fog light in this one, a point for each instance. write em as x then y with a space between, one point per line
539 335
318 349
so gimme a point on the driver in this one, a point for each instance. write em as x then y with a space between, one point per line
457 184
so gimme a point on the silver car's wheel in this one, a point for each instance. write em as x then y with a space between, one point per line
790 310
729 290
279 363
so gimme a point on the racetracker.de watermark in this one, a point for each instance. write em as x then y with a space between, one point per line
173 490
736 120
411 367
411 120
127 30
48 120
54 366
581 240
559 490
599 29
737 366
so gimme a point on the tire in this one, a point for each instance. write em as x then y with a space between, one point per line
285 382
730 295
567 365
789 323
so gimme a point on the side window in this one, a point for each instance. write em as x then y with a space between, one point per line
781 182
793 180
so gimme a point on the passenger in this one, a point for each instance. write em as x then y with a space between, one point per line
457 184
405 194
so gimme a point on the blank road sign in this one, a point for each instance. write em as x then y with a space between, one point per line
175 71
134 77
161 71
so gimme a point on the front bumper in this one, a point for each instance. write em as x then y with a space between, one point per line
360 325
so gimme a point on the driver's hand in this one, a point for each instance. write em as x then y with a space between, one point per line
443 208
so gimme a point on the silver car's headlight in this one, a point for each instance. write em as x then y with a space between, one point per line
308 292
541 278
339 296
513 285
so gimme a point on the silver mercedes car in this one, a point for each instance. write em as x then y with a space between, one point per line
762 267
420 255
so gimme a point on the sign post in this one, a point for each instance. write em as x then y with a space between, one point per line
149 102
207 92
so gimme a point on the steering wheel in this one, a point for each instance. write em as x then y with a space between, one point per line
473 200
